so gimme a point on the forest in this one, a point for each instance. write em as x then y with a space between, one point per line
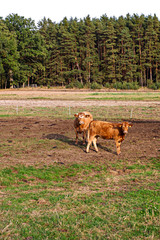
121 53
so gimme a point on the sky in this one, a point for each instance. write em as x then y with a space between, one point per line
56 10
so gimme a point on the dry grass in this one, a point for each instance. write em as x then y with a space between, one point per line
52 94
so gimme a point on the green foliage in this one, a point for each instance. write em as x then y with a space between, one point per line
70 85
75 84
123 53
96 85
8 55
126 85
107 85
154 86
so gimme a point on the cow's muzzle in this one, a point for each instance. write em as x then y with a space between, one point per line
81 122
125 132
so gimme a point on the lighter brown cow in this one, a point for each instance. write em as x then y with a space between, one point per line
106 130
81 124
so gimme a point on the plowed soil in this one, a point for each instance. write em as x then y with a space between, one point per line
41 141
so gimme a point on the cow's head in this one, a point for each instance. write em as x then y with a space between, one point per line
81 117
125 126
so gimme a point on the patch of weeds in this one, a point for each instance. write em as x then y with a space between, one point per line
51 173
39 98
124 96
156 162
136 166
5 115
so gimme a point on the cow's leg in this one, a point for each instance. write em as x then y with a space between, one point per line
84 137
89 143
94 143
118 145
76 137
87 135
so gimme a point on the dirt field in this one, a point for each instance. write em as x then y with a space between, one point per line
40 141
62 103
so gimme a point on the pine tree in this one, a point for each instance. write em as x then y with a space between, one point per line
8 56
76 67
125 62
67 55
89 50
102 44
99 73
149 47
30 47
49 31
111 52
156 50
137 34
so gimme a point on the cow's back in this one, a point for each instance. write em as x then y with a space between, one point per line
103 129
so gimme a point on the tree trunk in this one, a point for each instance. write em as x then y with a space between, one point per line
80 76
156 72
145 81
151 74
89 72
141 79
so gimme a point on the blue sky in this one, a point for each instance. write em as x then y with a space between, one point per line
57 10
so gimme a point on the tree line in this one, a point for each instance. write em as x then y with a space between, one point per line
119 52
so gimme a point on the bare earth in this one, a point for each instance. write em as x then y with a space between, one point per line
39 141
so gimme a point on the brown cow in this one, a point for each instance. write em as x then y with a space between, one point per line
106 130
81 124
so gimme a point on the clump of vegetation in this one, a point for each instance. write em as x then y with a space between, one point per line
126 85
154 86
75 84
96 85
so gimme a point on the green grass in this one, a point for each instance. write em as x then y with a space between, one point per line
126 96
5 115
80 201
99 112
39 98
79 95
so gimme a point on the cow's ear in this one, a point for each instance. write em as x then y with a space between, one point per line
130 124
76 114
87 115
120 124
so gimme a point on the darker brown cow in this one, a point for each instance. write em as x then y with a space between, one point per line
81 124
106 130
